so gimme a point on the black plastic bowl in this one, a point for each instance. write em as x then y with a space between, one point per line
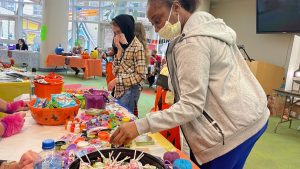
147 159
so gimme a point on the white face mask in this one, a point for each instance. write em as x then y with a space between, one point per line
170 31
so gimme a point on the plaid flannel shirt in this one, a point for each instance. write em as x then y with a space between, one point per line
130 70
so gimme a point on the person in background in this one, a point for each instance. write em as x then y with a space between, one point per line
155 64
129 65
77 50
219 104
21 45
156 59
140 33
99 51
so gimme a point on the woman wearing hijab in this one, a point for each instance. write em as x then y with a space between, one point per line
129 65
21 45
220 106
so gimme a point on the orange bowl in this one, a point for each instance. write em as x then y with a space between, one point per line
53 117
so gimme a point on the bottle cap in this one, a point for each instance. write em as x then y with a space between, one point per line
126 119
48 144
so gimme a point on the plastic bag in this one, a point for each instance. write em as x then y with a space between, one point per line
64 100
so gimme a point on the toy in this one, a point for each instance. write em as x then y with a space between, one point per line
94 54
85 55
59 50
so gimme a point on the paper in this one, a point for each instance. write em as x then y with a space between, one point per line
44 33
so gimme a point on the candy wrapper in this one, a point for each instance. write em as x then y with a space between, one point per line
40 103
63 100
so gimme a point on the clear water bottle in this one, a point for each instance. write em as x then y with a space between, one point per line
48 158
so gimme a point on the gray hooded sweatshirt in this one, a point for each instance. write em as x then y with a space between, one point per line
219 102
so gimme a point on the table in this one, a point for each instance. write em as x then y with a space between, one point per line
11 90
93 67
55 60
33 134
290 101
21 56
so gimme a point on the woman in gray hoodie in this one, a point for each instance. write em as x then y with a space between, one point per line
220 106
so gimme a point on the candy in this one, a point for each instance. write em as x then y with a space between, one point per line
182 164
171 156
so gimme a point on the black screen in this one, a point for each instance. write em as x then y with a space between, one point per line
278 16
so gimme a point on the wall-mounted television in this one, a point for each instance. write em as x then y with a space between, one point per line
274 16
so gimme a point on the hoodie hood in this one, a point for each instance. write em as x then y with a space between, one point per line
204 24
127 26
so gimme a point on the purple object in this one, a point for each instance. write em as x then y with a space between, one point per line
96 99
171 156
11 47
71 147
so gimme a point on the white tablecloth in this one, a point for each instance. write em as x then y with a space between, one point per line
21 56
32 136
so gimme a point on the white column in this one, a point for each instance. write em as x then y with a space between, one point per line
55 18
204 5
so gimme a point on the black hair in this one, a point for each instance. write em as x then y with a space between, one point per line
23 41
189 5
127 26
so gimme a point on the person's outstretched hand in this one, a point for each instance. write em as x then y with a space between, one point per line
124 134
24 107
13 124
27 160
112 84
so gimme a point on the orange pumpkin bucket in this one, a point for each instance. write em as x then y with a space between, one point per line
53 117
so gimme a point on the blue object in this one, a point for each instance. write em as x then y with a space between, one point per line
12 47
236 158
130 98
59 50
182 164
48 144
48 158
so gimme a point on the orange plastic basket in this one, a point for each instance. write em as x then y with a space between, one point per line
45 90
53 117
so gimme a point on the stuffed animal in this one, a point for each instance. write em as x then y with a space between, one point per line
94 54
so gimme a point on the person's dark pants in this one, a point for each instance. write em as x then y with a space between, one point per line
77 70
236 158
151 80
130 98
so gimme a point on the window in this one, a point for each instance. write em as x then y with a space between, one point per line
31 33
8 7
7 29
32 10
28 13
94 3
87 35
70 39
87 14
